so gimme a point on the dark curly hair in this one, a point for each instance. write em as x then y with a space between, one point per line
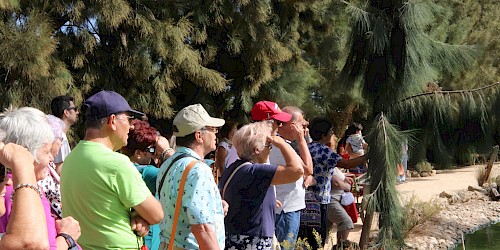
140 138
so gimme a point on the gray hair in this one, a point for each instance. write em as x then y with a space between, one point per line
248 137
57 126
294 111
27 127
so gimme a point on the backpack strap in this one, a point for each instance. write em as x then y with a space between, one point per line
231 176
168 168
178 203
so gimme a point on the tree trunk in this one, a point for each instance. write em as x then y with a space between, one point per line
493 157
365 232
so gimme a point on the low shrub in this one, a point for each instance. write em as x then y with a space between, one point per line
423 166
416 212
303 243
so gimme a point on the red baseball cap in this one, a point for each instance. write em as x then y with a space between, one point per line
265 110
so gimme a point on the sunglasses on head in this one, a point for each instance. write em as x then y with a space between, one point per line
151 150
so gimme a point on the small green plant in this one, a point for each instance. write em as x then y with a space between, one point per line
416 212
303 243
423 166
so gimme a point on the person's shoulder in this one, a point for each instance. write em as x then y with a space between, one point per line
262 167
149 170
317 146
223 143
118 158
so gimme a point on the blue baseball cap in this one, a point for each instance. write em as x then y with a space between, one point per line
105 103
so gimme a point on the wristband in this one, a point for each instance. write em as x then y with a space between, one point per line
69 240
165 152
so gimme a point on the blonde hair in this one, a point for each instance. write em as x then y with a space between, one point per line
249 137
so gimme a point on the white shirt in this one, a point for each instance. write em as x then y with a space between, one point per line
63 151
291 195
231 157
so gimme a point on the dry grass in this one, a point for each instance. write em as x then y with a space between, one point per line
480 174
416 212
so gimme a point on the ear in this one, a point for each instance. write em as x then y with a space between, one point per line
138 154
112 122
66 113
198 137
256 151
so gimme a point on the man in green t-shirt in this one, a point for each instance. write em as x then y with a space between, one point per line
100 187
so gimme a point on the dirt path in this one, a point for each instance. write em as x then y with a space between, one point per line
426 188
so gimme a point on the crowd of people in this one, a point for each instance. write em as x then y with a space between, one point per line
126 186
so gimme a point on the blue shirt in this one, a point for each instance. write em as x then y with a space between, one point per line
324 161
251 200
201 201
149 173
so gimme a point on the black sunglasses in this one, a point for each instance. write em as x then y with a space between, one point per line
3 172
151 150
72 108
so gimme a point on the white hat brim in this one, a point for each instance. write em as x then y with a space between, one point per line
215 122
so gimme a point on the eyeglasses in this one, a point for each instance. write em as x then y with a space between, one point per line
151 150
278 123
72 108
211 129
3 172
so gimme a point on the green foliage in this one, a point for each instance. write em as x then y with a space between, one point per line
8 4
471 22
423 166
451 124
292 87
385 154
417 212
302 243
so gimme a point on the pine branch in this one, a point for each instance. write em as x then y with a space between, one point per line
451 92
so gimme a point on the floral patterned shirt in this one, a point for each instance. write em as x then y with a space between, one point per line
51 187
324 161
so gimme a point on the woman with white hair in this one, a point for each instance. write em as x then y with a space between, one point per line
27 228
51 183
29 127
246 186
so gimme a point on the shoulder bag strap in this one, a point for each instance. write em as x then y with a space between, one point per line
166 171
179 201
231 177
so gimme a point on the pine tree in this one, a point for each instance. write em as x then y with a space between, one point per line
392 57
143 50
